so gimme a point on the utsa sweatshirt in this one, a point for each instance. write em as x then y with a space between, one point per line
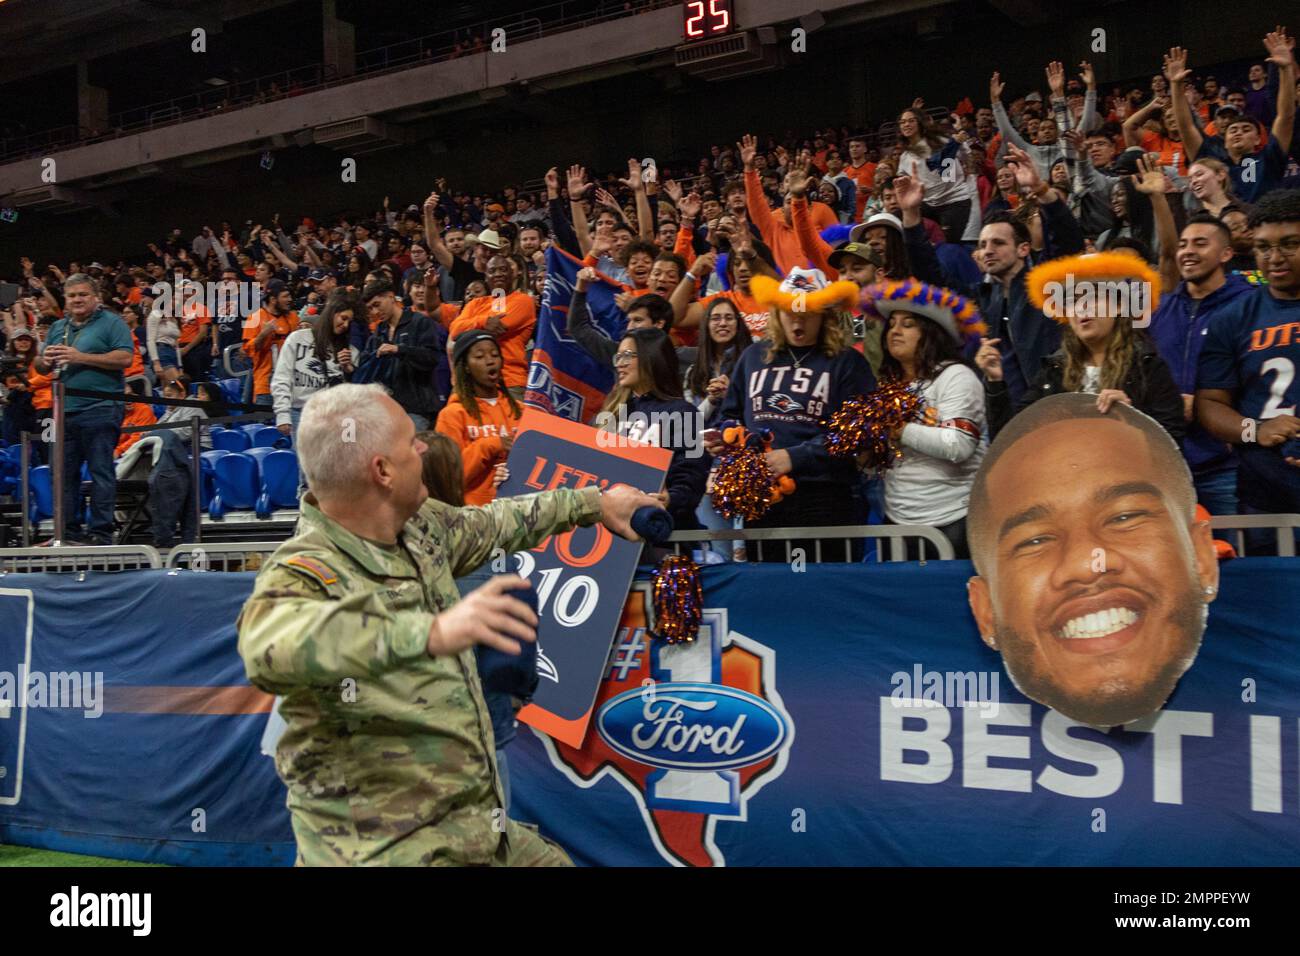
794 395
479 441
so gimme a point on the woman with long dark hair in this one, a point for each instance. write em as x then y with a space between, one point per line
314 356
481 416
1100 350
938 161
646 405
926 329
725 338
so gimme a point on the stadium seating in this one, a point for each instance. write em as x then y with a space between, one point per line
230 439
279 482
267 437
237 484
208 470
42 485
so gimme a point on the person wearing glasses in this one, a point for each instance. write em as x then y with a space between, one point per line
1247 392
646 405
407 353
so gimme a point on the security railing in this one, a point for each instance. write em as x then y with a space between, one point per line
838 540
226 556
1284 526
66 560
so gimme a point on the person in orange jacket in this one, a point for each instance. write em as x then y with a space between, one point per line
137 413
481 416
509 316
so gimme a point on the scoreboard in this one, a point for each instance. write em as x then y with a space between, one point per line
705 19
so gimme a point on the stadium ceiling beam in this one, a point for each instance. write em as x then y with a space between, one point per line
61 42
1028 13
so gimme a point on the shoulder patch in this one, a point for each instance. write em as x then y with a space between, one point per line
311 568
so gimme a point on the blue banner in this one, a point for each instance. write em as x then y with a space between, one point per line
563 379
128 728
819 720
840 715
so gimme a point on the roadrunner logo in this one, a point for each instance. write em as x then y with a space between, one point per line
692 732
784 403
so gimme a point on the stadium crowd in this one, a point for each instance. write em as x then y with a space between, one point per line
764 285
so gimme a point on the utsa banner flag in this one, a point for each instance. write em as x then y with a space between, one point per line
563 379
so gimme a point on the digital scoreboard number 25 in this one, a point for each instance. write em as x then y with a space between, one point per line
702 19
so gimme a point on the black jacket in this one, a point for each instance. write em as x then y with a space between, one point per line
421 348
1149 384
680 425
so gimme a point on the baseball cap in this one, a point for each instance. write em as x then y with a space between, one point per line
95 265
467 340
316 275
859 249
495 207
858 233
1034 97
275 287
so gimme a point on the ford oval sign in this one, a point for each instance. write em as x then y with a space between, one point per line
689 726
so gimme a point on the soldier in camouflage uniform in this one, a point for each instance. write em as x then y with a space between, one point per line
356 621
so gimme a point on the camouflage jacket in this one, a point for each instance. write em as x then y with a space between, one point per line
388 754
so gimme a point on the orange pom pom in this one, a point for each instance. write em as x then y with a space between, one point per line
785 484
731 435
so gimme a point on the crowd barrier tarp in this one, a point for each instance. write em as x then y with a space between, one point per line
824 767
170 769
772 740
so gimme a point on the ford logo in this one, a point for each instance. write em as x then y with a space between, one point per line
687 726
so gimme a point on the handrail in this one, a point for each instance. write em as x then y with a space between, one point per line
896 533
1238 523
66 560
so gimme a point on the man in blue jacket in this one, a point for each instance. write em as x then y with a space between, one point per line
1020 331
1178 330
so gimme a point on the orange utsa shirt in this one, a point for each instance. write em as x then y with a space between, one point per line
519 318
262 358
479 440
137 360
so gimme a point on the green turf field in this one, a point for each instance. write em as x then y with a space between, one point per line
25 856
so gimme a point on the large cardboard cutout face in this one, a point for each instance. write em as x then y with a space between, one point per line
1094 578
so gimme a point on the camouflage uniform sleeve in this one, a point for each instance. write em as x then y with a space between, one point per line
296 631
515 524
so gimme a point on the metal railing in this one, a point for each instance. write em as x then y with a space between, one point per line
1283 525
845 535
67 560
249 555
227 556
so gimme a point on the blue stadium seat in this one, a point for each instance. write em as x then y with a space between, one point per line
237 484
269 437
208 471
42 485
230 439
231 389
279 482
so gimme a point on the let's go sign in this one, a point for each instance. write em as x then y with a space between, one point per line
581 577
